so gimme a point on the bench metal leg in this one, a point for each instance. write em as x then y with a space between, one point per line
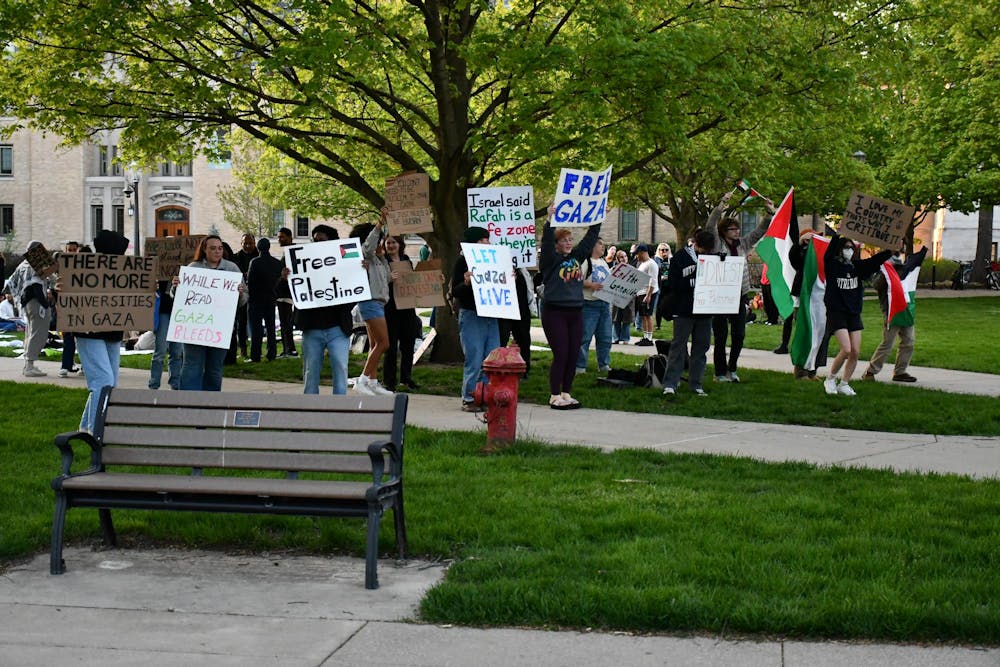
371 548
400 521
107 527
56 563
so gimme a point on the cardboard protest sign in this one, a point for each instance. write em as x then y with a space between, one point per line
718 285
105 292
422 287
204 307
509 215
621 284
327 273
492 280
41 260
581 198
880 222
173 252
408 199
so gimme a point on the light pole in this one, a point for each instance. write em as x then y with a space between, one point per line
132 189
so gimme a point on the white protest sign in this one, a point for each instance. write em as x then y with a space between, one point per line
621 285
204 307
492 280
581 198
509 215
326 273
718 285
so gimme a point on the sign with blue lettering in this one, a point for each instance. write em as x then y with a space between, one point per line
492 280
581 198
509 215
718 285
326 273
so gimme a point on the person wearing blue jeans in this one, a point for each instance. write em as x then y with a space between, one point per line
478 335
163 348
596 313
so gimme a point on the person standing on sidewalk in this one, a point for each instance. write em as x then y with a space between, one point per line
32 292
901 326
162 348
283 295
247 252
596 313
263 273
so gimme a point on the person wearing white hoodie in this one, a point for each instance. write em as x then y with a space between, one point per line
32 292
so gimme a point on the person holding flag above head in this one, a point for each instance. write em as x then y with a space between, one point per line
896 286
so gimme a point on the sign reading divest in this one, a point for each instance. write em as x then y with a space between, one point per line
173 253
880 222
718 284
581 198
509 215
492 280
105 292
422 287
622 284
326 273
204 307
408 199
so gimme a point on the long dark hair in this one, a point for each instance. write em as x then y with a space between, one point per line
199 253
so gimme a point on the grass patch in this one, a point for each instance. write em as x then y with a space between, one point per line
570 537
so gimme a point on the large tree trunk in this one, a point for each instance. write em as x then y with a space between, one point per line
984 242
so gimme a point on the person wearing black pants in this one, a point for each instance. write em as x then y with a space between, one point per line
520 329
401 323
283 294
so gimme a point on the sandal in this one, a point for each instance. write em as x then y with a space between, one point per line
556 402
570 401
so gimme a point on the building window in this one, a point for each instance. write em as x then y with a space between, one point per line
116 167
165 169
301 225
96 220
6 219
628 226
6 160
104 159
278 217
118 212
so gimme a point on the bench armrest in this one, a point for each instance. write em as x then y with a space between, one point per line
376 454
63 441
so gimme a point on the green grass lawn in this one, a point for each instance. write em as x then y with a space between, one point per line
546 536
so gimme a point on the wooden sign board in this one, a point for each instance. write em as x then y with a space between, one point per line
422 287
878 222
41 260
105 292
408 198
173 253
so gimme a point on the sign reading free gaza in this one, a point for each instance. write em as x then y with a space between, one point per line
508 214
326 273
581 198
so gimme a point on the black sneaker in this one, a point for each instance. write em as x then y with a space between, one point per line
645 342
903 377
781 349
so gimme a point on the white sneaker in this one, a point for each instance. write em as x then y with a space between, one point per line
63 373
830 385
581 371
32 372
378 389
362 387
845 389
700 392
669 391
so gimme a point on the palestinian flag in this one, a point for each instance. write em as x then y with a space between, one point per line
748 191
810 321
901 295
773 247
350 251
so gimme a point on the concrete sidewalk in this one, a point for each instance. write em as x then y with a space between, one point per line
165 607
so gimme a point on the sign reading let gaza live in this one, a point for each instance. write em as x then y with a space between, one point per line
581 198
326 273
509 215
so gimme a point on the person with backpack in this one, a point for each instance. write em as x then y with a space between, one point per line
596 313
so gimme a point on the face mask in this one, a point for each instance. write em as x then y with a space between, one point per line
848 253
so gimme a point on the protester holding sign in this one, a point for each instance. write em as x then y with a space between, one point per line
596 312
202 369
562 313
683 275
100 352
401 323
843 298
479 335
373 310
31 291
325 328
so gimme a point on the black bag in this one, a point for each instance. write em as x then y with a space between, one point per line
653 372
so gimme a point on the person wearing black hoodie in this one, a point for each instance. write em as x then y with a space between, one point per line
263 273
100 351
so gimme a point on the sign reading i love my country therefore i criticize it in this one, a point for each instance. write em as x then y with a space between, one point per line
581 198
880 222
99 292
204 310
326 273
509 215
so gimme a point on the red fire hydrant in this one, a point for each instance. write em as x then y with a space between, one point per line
503 367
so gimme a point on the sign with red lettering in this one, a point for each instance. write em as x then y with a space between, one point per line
205 307
509 215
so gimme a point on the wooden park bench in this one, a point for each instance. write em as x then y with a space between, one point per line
247 453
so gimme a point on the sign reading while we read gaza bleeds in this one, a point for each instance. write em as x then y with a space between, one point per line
205 303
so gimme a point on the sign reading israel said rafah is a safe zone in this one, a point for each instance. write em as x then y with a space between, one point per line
100 292
326 273
509 215
205 303
621 284
492 280
581 198
718 284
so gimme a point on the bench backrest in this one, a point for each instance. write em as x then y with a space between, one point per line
279 432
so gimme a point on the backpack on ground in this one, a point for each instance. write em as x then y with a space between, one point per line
653 372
